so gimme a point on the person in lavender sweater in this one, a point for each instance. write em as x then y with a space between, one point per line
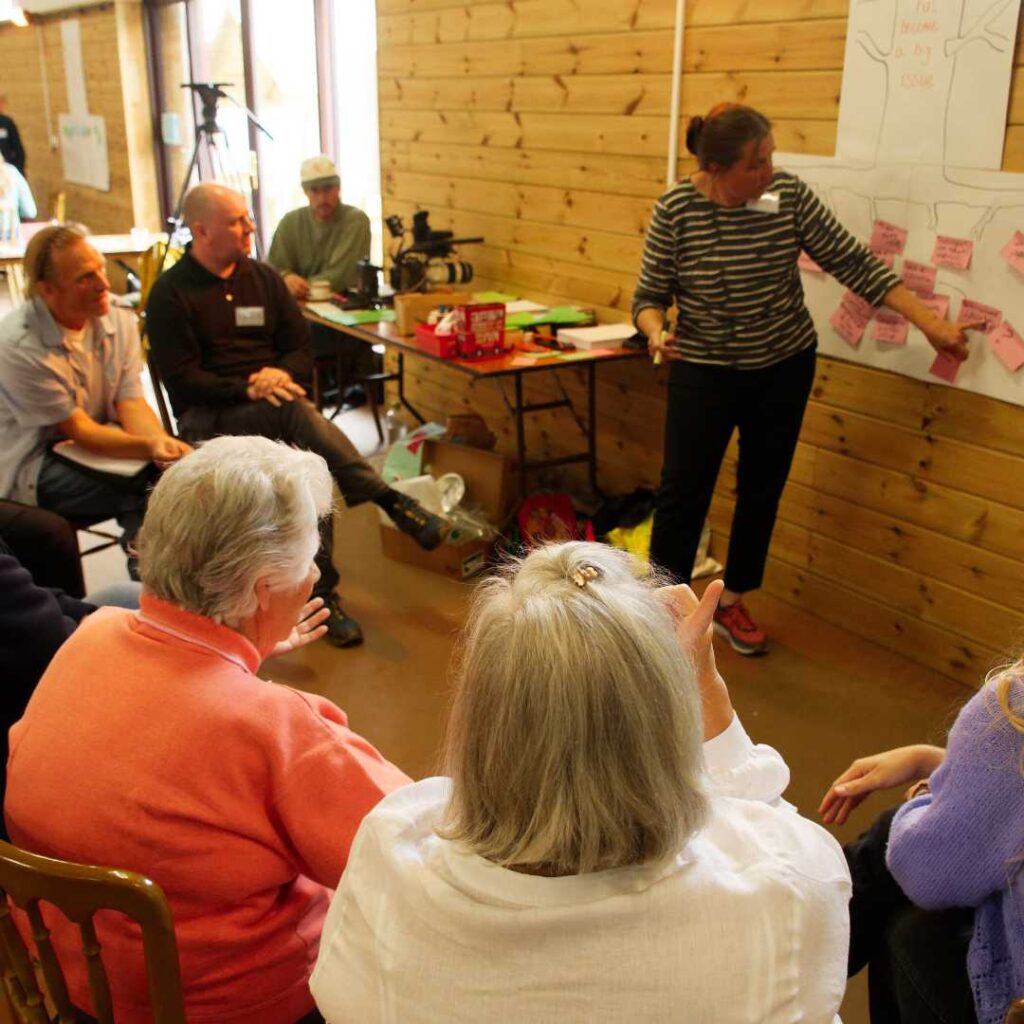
938 893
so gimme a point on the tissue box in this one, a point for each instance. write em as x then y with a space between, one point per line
489 486
430 341
414 307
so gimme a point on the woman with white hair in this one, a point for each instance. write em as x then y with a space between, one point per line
605 847
151 744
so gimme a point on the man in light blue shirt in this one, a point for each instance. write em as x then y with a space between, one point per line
70 367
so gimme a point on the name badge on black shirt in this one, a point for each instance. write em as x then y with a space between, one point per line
249 316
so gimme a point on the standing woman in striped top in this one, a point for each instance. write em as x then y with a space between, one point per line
723 246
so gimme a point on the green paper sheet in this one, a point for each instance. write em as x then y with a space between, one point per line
350 318
559 316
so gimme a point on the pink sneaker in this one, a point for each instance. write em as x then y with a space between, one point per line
736 625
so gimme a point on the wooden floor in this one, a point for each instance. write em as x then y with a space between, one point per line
822 696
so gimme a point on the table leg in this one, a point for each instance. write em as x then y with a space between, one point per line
401 389
520 436
592 425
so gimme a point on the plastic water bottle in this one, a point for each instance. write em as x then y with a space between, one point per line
395 427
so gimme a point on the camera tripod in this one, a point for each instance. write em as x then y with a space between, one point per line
211 150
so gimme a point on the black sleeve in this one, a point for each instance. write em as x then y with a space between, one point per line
291 335
34 622
17 150
177 352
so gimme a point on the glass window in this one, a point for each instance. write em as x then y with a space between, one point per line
284 51
357 125
217 57
177 126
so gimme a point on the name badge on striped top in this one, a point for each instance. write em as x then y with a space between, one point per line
768 202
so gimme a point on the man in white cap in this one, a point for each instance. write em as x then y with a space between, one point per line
323 240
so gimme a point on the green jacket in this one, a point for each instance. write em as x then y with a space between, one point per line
321 249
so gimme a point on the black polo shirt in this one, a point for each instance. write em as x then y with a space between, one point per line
209 333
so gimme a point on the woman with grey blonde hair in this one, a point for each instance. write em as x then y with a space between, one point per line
151 743
609 844
16 200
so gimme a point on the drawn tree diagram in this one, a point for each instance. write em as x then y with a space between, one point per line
922 68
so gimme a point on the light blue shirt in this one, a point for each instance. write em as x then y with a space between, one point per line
44 378
19 195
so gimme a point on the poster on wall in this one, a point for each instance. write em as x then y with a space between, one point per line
921 132
83 147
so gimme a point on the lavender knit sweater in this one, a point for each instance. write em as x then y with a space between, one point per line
962 845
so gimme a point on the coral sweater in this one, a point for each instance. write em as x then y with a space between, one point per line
151 744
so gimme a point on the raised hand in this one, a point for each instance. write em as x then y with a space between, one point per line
311 626
694 633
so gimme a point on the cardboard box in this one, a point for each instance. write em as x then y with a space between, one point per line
489 486
412 308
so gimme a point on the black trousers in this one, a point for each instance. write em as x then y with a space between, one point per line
296 423
705 405
916 959
45 544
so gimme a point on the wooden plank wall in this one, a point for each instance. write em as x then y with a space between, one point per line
541 124
117 88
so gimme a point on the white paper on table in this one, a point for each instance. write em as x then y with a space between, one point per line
524 306
101 463
596 337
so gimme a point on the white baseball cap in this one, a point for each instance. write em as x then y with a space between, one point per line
317 169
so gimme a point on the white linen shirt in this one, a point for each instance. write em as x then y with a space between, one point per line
747 923
44 378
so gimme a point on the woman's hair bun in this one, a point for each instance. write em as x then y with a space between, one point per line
693 130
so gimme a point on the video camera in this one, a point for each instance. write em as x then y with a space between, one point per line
428 261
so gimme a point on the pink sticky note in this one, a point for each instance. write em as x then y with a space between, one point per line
938 304
953 252
890 328
859 307
804 262
918 277
971 310
887 239
848 325
886 257
945 366
1013 252
1008 345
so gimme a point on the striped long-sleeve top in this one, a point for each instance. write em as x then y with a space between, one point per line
732 272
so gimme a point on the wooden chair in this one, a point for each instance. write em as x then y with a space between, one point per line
78 891
1015 1012
152 264
89 524
9 224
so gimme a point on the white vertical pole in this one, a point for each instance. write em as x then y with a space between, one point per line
677 76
